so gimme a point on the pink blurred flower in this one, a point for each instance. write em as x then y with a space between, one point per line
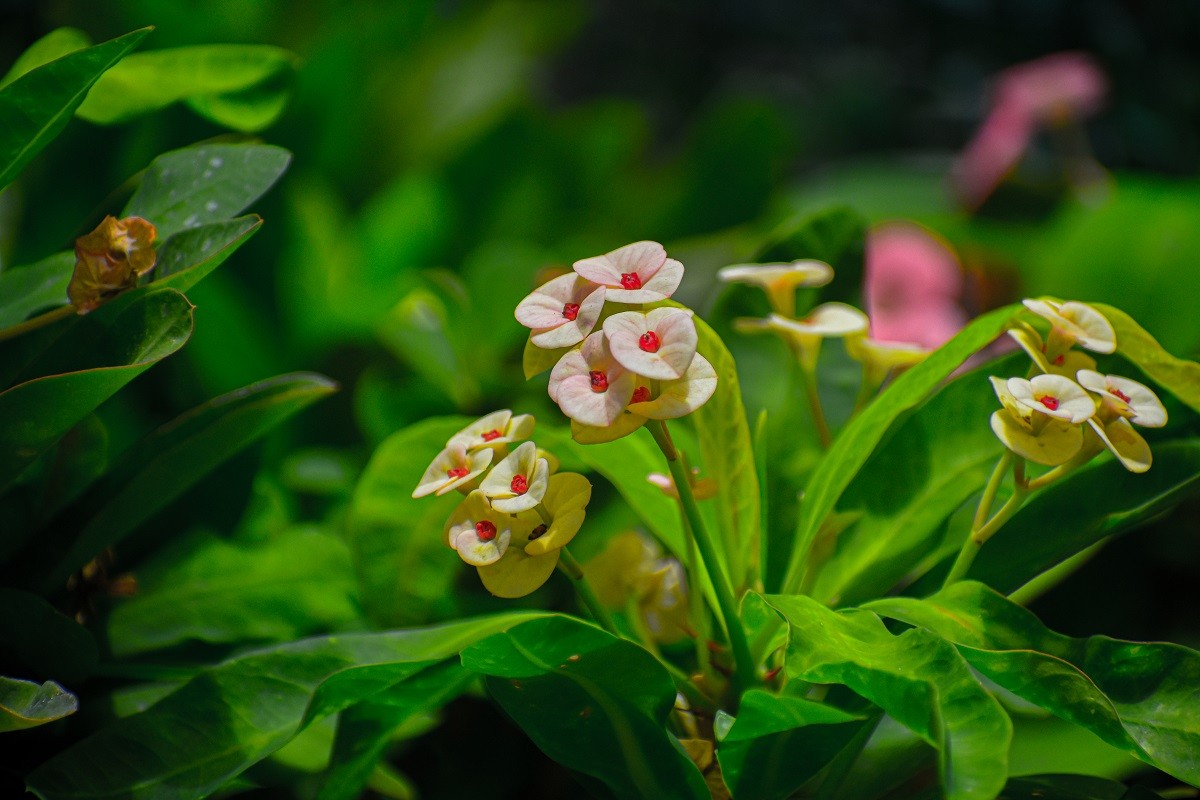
1048 91
912 286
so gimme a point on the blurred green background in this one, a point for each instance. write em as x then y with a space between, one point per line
447 153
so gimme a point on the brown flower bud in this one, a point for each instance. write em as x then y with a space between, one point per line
110 260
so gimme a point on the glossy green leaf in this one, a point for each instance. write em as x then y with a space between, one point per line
594 703
206 74
189 256
25 704
55 44
36 639
405 570
1180 376
777 743
1094 503
855 443
237 713
163 466
40 411
205 183
26 290
212 590
917 678
933 462
1139 697
37 106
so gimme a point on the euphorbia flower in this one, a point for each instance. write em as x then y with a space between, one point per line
805 335
562 312
109 260
779 281
702 488
679 397
453 468
480 533
519 482
1066 364
636 273
533 553
1074 323
1124 401
1035 423
911 285
589 385
495 431
880 358
658 345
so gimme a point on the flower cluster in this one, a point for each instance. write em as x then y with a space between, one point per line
110 260
1043 418
639 364
519 511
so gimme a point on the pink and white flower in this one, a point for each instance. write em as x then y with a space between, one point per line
676 398
453 468
563 312
658 345
518 483
636 273
591 386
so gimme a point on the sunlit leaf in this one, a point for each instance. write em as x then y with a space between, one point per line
594 703
1180 376
55 44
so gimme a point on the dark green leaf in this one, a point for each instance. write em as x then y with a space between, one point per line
40 411
189 256
37 106
237 713
24 291
1071 787
35 639
917 678
1178 375
1139 697
1096 502
146 82
594 703
24 704
164 465
55 44
831 235
392 535
417 330
855 443
778 743
205 183
211 590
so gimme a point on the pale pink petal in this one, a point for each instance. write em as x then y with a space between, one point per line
660 287
644 258
579 401
572 363
676 336
681 397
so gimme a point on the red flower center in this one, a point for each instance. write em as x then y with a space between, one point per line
457 472
641 394
571 311
630 280
1049 401
1115 392
1058 362
519 484
599 380
490 435
485 530
649 342
538 532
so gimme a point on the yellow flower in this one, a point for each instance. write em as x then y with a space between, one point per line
1073 323
1040 420
1123 401
779 281
110 260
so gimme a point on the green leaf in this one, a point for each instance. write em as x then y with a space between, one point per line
37 106
210 590
390 534
777 743
936 460
917 678
205 183
1178 375
163 466
189 256
25 704
1139 697
26 290
40 411
212 76
594 703
830 235
728 458
55 44
417 330
237 713
1072 787
1091 504
39 640
855 443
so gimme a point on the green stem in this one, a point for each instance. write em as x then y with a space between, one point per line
697 607
40 321
989 491
744 672
570 567
979 536
809 379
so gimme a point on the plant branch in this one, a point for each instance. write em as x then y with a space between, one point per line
40 321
